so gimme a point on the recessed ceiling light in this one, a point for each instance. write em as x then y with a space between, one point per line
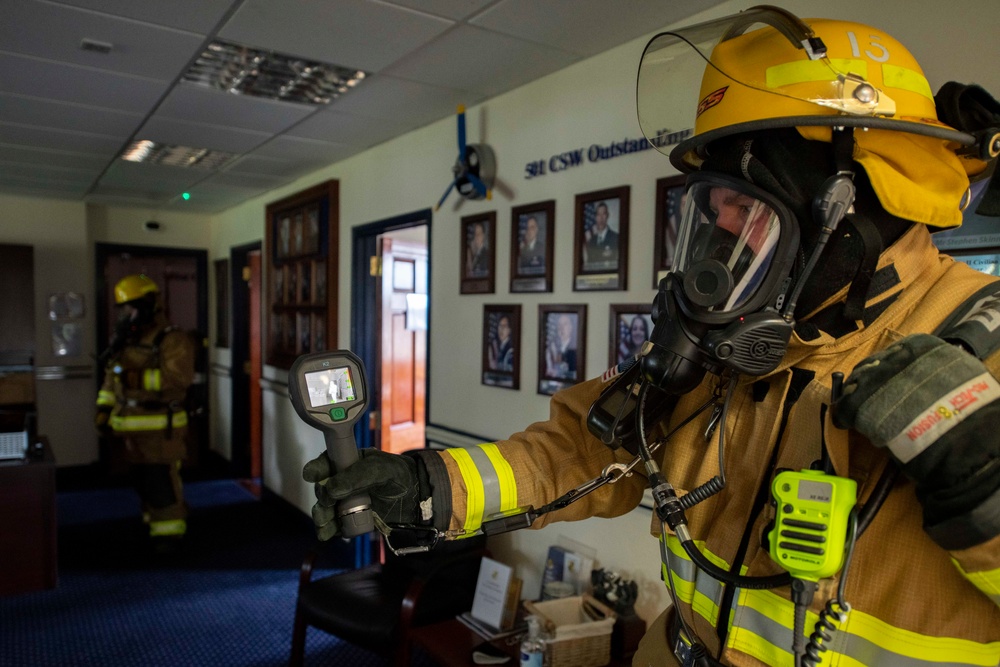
243 70
152 152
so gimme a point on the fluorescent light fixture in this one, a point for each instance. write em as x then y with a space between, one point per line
243 70
152 152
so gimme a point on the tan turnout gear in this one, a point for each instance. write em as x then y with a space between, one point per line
145 386
913 603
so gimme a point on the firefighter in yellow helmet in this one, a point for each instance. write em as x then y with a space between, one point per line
808 323
149 367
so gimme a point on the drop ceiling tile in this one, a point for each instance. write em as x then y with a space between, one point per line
196 135
22 75
44 172
190 102
76 142
452 9
154 177
469 58
408 103
296 149
198 16
22 155
353 33
54 32
245 181
261 166
64 116
45 189
347 129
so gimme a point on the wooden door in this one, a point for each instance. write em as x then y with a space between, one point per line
404 345
254 315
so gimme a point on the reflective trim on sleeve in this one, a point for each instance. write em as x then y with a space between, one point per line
762 622
152 379
105 397
988 581
144 423
489 482
169 528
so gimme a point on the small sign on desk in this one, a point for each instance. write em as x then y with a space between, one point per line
492 588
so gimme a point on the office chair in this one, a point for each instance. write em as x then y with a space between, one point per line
375 607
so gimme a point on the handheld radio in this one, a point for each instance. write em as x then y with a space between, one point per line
810 529
329 391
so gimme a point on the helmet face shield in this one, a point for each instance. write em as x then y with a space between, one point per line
736 244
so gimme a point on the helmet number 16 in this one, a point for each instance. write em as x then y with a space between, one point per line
882 54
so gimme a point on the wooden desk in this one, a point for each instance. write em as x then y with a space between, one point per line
450 643
28 523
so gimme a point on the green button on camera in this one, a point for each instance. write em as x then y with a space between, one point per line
338 414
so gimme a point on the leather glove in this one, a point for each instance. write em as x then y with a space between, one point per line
396 484
934 406
101 422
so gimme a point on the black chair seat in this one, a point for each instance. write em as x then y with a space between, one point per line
376 606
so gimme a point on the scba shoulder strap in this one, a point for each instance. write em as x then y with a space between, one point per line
975 324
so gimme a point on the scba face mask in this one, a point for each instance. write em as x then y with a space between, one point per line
721 305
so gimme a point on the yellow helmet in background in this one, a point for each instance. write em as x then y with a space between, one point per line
134 287
765 69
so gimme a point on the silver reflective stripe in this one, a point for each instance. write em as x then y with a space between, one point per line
712 589
490 479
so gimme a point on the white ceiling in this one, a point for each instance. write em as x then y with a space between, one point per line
67 113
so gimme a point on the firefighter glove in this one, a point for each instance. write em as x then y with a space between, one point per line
101 422
396 484
934 407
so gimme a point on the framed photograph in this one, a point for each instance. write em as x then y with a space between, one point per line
631 324
502 346
561 346
532 237
985 260
479 235
601 240
670 195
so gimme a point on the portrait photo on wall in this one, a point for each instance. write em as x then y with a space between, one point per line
601 240
561 346
531 241
479 235
631 324
502 346
670 196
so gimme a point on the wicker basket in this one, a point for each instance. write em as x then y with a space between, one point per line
578 628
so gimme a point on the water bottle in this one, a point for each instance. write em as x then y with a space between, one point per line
533 646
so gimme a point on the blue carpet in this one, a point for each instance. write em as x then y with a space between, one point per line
226 600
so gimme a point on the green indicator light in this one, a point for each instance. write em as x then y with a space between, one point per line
186 196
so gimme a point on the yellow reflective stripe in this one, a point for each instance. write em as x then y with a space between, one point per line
988 581
762 625
132 423
694 586
894 76
505 476
151 379
474 494
807 71
167 528
105 397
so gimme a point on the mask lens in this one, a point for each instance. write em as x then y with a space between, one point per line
721 224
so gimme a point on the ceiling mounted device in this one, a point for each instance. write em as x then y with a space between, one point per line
475 169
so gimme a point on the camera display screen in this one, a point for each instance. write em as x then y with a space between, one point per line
331 386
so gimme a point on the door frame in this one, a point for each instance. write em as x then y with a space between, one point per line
365 319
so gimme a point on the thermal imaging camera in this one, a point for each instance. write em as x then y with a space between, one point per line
329 391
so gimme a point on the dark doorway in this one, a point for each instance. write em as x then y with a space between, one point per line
245 417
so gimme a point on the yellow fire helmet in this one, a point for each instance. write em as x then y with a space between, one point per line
134 287
764 68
